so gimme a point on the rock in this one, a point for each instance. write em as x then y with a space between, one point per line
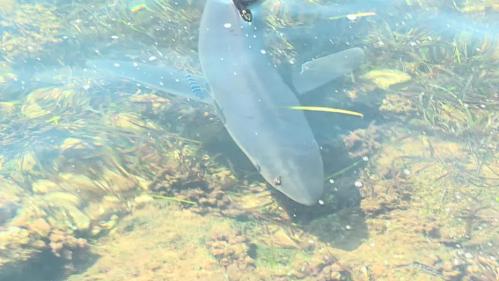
63 244
281 239
231 249
142 200
39 245
103 210
385 78
62 199
13 237
72 144
79 219
40 227
118 182
335 276
81 184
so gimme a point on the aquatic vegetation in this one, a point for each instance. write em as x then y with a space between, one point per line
195 181
6 73
478 6
62 244
10 200
155 102
275 261
79 191
173 243
13 242
230 250
152 25
417 177
43 102
36 26
130 122
286 27
397 104
467 6
323 268
363 142
24 232
452 73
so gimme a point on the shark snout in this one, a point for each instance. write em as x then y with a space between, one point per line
304 191
299 178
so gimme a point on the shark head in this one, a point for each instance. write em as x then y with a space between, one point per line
298 174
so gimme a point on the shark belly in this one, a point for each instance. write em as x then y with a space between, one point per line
254 103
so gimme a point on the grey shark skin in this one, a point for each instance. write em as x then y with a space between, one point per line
253 100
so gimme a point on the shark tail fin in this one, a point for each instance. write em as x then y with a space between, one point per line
318 72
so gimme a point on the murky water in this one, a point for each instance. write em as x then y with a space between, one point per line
109 173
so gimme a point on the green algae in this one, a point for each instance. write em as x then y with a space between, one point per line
173 199
37 27
276 260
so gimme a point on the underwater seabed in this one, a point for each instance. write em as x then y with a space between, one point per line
414 223
106 180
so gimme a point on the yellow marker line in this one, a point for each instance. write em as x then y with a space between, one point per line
327 109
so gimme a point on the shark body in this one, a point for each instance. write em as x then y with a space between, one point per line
253 99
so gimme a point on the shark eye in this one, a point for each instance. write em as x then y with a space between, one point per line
242 7
277 181
246 15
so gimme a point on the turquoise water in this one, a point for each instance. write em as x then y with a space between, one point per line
116 163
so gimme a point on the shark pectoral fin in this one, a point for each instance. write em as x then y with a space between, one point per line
162 78
318 72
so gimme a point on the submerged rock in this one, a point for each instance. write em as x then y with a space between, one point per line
170 244
385 78
230 249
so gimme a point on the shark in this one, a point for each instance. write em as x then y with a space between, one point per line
250 96
253 99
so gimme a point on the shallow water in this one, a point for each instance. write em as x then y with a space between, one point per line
111 175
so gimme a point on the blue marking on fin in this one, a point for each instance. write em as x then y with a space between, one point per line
163 78
196 89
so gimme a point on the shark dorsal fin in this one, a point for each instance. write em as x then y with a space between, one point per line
320 71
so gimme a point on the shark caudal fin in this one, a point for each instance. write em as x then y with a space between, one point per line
318 72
